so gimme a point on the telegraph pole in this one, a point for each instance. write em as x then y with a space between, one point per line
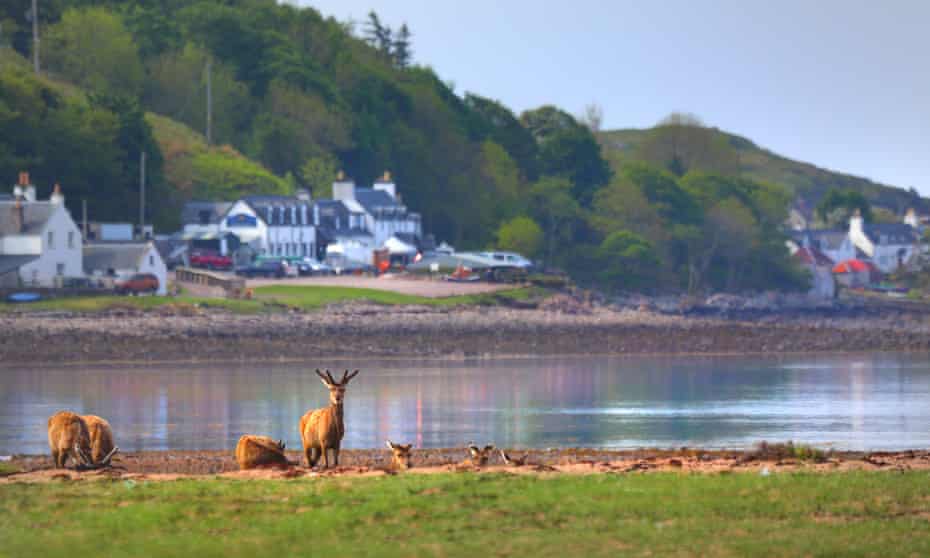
35 35
142 196
84 217
209 101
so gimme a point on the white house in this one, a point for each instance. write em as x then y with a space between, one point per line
379 208
39 241
123 260
888 245
274 225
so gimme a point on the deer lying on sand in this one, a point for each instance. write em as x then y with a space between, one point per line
514 461
260 451
102 447
323 429
477 457
400 456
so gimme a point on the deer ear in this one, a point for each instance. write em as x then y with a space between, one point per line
489 447
473 450
390 444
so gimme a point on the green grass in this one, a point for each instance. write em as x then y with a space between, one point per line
854 514
8 469
270 299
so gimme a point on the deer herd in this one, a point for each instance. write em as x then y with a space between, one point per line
87 440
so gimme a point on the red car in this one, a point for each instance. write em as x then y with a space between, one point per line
211 261
138 284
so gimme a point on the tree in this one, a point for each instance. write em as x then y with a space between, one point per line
551 204
378 35
318 173
521 235
92 48
628 261
681 143
837 206
401 48
592 117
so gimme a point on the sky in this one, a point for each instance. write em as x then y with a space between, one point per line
843 84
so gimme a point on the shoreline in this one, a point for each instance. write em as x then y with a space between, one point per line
212 464
372 332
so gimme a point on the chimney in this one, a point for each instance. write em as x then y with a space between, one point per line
385 184
855 222
910 218
343 188
19 216
57 197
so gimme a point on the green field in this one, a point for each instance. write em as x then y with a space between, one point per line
855 514
270 299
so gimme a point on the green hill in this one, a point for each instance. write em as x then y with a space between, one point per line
805 181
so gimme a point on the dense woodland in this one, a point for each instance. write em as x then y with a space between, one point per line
296 97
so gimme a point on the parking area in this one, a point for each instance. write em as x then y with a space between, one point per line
432 288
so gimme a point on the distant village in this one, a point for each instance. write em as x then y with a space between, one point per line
361 229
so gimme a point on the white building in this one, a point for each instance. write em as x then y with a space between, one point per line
39 241
888 245
122 260
274 225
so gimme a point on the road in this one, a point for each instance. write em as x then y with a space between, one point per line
404 285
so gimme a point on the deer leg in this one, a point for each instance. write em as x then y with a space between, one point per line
315 456
325 457
336 455
55 458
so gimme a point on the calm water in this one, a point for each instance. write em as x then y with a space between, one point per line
854 402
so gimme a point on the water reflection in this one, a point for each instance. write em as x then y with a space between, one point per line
879 402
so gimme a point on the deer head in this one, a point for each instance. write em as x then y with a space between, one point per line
400 455
479 456
337 390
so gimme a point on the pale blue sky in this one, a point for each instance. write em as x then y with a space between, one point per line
841 84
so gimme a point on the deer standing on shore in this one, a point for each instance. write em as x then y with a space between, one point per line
258 451
477 457
322 429
68 437
102 446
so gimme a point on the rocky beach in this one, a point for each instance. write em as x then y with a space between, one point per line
560 325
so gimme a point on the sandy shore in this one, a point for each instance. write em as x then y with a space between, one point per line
162 466
370 331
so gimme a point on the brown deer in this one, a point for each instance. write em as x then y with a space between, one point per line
478 457
260 451
514 461
68 437
400 456
102 448
323 429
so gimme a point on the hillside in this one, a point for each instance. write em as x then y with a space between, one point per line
804 180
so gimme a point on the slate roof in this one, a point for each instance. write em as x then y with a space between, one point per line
376 200
890 233
212 211
828 239
35 215
12 263
102 257
813 256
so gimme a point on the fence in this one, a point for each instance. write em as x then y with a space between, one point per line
232 287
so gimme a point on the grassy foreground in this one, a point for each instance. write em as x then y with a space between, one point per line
269 299
853 514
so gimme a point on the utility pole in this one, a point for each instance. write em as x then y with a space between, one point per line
142 196
35 35
209 101
84 217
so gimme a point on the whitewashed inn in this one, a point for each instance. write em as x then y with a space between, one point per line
347 228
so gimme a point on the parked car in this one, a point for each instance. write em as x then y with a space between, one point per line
310 266
139 283
211 260
267 267
508 259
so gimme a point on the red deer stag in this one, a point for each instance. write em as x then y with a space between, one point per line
68 437
260 451
102 447
400 456
322 429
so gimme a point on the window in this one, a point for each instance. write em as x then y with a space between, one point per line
51 239
60 269
70 239
151 260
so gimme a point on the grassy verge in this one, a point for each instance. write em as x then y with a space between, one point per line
7 469
269 299
863 514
